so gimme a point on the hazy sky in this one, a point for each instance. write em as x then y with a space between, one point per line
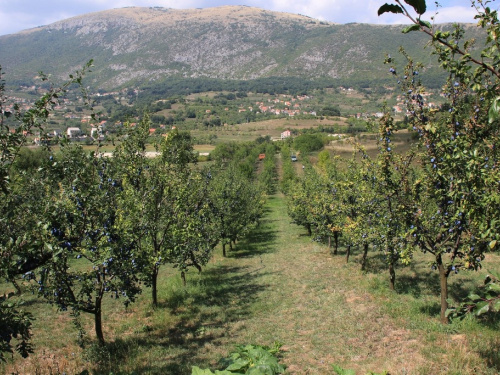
17 15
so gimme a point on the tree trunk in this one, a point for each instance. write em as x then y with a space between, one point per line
336 238
363 260
309 230
443 281
392 274
348 253
223 249
154 286
183 277
98 321
18 288
230 246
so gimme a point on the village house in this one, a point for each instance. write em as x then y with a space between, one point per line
73 132
286 134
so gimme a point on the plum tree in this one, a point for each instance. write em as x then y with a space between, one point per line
237 204
457 214
22 249
166 203
93 253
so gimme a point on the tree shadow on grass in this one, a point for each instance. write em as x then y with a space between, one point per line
490 352
375 262
418 284
32 301
426 283
217 287
204 313
259 241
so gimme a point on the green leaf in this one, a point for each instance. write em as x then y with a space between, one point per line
425 23
408 29
195 370
495 275
482 308
260 370
389 8
341 371
239 364
493 287
449 311
419 5
494 242
493 113
474 297
496 306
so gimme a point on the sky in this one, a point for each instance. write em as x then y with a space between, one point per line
17 15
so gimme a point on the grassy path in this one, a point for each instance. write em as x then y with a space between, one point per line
326 311
313 305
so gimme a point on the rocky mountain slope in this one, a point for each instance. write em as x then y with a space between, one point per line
138 45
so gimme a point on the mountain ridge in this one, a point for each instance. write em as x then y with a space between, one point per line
144 14
137 45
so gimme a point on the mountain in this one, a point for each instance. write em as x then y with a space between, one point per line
134 46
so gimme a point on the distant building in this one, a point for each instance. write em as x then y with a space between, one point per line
286 134
73 132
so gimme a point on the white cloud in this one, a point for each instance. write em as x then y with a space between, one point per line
455 14
11 22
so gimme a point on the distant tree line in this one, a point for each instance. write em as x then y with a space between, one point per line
272 85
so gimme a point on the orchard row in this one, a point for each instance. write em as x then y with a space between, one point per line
81 227
442 197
